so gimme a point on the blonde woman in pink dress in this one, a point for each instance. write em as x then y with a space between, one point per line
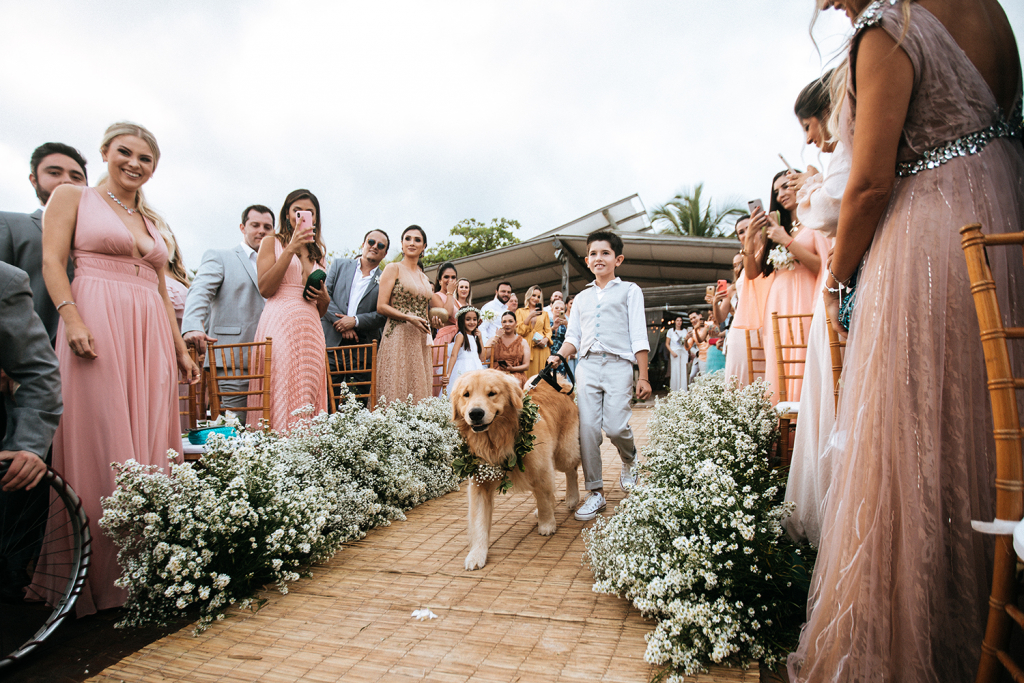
291 316
900 586
796 287
118 342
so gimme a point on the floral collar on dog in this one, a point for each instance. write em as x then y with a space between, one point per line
469 465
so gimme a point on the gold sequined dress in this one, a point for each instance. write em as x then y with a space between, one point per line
403 363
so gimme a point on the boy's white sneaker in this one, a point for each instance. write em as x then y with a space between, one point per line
591 506
627 477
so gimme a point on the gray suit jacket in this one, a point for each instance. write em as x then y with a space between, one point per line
224 300
369 323
21 245
28 358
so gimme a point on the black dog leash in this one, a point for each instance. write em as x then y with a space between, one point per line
548 374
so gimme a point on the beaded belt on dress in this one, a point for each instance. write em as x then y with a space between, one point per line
972 143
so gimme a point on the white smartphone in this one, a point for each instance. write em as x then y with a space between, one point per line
754 204
788 167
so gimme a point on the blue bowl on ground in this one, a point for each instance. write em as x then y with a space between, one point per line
198 437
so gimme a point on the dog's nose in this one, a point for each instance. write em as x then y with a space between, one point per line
476 414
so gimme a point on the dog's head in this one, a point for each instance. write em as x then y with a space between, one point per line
481 397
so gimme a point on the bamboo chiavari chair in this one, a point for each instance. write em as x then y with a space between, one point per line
486 360
439 358
797 326
1009 480
232 362
751 347
835 346
190 394
356 367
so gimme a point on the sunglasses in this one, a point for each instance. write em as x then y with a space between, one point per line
371 243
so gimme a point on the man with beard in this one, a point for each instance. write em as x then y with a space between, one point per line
21 234
497 306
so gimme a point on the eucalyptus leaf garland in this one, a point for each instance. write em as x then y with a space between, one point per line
467 465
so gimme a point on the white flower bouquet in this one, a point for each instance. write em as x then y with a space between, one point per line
781 258
487 315
699 544
264 506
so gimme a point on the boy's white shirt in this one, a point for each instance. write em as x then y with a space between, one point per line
634 310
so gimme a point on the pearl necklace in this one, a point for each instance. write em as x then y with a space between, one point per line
130 211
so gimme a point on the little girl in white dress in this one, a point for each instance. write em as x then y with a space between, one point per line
467 347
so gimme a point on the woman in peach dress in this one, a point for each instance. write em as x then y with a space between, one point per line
291 316
447 276
796 286
120 361
405 296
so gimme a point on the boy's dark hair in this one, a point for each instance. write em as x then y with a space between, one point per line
503 283
461 323
47 148
606 236
258 208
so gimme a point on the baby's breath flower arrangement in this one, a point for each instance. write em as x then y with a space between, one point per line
265 506
699 544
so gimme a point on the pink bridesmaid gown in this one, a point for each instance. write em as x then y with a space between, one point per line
794 291
298 361
123 404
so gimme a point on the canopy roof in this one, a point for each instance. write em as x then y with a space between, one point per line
652 259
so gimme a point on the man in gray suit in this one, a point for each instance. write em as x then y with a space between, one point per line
31 394
352 316
21 234
224 302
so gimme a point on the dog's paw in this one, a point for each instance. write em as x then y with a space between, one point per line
572 501
476 560
547 529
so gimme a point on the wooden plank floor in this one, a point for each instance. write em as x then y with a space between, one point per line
529 615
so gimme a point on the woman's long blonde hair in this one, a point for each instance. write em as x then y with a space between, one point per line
529 295
128 128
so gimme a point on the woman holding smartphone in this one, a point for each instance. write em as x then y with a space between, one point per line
288 265
533 323
798 273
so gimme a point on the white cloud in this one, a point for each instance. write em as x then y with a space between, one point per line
400 112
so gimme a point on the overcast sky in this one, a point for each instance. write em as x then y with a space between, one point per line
399 112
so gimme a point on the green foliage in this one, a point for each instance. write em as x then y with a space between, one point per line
474 237
684 215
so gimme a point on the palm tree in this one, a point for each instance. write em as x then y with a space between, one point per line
684 215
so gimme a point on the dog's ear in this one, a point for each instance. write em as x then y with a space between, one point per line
455 394
513 391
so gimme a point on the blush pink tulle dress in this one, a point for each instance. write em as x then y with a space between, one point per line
793 292
298 360
124 403
900 587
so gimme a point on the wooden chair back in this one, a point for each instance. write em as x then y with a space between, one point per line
791 366
835 347
1009 479
188 397
247 361
488 353
439 359
356 367
754 343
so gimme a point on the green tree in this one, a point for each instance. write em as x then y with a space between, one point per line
684 215
474 237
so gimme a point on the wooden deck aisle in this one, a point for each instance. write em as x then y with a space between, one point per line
529 615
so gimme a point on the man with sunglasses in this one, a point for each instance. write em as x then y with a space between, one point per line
352 316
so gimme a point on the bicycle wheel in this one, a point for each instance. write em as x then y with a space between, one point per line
60 528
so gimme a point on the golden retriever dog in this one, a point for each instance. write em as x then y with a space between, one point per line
485 408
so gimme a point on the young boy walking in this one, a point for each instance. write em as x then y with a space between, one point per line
608 329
